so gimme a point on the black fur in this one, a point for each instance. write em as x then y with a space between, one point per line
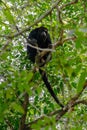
40 37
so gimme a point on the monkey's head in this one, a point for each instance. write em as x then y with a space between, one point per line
42 34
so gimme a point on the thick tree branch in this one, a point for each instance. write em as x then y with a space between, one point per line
36 22
73 102
23 118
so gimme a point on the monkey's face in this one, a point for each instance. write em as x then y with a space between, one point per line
42 34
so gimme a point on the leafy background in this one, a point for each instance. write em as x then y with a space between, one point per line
25 103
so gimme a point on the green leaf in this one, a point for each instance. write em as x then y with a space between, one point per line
9 93
79 40
17 107
29 76
7 13
82 80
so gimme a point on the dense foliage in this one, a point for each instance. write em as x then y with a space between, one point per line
25 103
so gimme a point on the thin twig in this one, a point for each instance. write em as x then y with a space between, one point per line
68 4
60 42
9 124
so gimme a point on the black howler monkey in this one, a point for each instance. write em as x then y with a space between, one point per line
40 38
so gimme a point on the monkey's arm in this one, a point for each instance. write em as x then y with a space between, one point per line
48 86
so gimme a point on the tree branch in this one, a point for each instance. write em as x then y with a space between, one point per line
69 3
73 102
23 118
9 124
36 22
81 102
61 41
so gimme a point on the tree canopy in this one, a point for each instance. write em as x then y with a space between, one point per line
25 103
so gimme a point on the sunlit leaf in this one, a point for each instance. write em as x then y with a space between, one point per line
7 13
17 107
82 80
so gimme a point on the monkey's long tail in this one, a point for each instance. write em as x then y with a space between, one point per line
45 79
